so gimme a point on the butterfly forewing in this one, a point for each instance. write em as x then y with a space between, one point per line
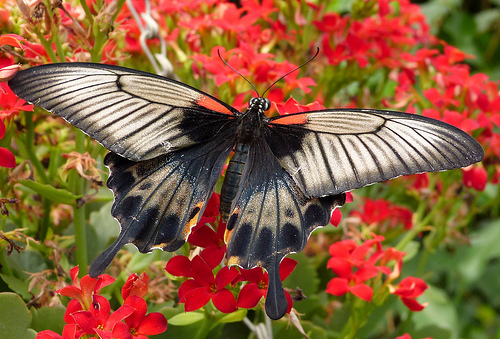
134 114
333 151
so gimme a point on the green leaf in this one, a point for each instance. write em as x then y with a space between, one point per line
184 319
19 286
473 260
440 315
233 317
50 192
411 250
14 317
48 318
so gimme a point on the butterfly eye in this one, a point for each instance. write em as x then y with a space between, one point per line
252 101
268 104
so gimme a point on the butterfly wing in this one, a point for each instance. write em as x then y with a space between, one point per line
333 151
271 218
135 114
157 201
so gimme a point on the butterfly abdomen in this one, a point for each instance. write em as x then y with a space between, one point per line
232 179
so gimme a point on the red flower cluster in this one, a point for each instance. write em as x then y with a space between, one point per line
9 103
356 264
383 212
88 313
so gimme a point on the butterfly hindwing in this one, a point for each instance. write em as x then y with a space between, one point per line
135 114
157 201
271 218
333 151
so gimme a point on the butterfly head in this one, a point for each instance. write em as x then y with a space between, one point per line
262 104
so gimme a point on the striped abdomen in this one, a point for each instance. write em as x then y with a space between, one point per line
232 179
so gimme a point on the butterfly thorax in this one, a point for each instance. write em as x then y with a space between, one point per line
248 130
250 123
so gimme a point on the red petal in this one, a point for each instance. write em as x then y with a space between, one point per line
286 268
289 301
100 309
180 266
186 287
2 129
225 276
336 217
255 275
365 273
69 331
153 323
73 306
118 315
140 306
136 285
203 236
338 287
249 296
362 291
224 301
201 272
412 304
340 267
197 298
122 331
212 255
86 321
7 159
47 334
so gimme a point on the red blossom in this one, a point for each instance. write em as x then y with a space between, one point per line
347 256
84 289
292 106
197 292
98 317
136 285
408 289
139 325
258 280
380 211
475 176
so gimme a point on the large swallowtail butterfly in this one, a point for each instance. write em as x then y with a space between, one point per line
169 143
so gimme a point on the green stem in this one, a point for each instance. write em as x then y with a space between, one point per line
29 142
78 186
203 329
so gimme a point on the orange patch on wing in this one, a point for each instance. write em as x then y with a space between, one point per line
213 105
294 119
227 236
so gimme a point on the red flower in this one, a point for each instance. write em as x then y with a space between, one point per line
213 242
84 289
197 292
292 106
408 289
475 177
138 325
380 210
98 317
347 256
136 285
257 285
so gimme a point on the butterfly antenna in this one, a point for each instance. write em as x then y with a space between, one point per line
241 75
293 70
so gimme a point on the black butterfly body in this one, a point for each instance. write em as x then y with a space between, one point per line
169 143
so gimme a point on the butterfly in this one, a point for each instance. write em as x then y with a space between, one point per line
169 143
